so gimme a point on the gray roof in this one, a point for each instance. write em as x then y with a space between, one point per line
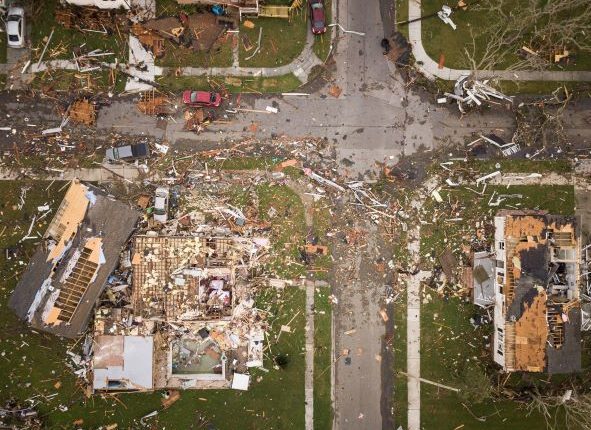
123 363
105 218
483 293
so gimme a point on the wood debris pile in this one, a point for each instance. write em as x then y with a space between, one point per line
153 103
471 93
91 19
150 39
83 111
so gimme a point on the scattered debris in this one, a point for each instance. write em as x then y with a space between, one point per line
470 92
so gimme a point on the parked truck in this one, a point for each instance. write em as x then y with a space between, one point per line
136 151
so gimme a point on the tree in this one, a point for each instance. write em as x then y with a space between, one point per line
540 25
575 408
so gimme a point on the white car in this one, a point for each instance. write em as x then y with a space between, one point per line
161 204
15 27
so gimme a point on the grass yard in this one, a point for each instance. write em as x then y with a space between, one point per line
243 163
455 353
323 413
401 7
438 234
281 42
179 56
520 166
288 230
32 364
72 81
3 47
322 221
257 85
439 38
172 8
64 40
288 226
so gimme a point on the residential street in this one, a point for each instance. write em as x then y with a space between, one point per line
377 118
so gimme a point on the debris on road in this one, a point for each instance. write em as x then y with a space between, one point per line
469 93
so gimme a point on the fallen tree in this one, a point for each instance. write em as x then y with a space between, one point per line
543 28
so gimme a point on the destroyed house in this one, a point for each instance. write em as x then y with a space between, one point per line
183 277
69 269
191 298
537 314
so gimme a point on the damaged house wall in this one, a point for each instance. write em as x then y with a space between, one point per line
537 310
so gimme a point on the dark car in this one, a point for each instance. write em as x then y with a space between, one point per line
128 152
317 16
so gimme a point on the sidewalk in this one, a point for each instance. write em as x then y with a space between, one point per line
115 172
431 69
300 67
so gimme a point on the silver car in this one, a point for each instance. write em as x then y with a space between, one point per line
15 27
161 204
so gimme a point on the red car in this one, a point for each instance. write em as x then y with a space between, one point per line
201 98
317 16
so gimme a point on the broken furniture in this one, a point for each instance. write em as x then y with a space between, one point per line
469 92
444 14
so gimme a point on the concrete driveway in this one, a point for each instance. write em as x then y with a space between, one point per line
17 57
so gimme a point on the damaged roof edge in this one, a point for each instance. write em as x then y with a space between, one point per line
105 218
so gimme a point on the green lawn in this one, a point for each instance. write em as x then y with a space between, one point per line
323 413
281 42
288 233
179 56
519 166
440 38
70 81
401 16
454 353
243 163
439 234
288 226
31 363
277 84
64 41
172 8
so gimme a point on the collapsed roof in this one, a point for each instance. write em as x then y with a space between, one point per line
192 295
69 269
537 308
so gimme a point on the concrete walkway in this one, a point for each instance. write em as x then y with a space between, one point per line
413 346
431 68
301 67
108 173
413 312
